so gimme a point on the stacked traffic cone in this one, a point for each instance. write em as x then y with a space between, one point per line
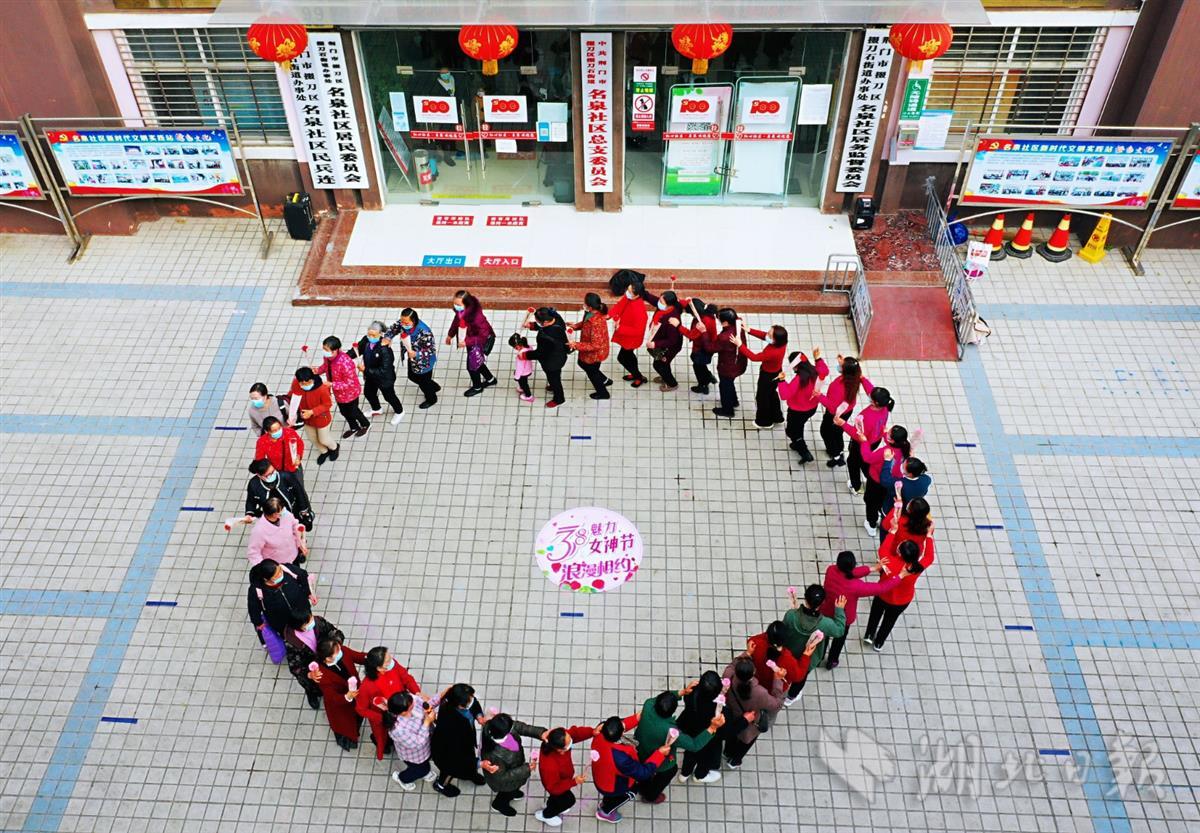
1022 245
1058 247
995 238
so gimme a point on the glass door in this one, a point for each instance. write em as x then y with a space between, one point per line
760 155
695 146
447 133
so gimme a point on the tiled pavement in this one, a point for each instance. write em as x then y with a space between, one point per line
1045 679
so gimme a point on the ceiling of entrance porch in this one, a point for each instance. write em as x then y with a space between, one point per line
593 13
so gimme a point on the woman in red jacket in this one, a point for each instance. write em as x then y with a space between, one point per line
383 677
315 407
910 523
282 447
630 315
846 577
557 772
335 670
840 399
703 335
767 413
769 646
592 345
666 338
909 562
616 768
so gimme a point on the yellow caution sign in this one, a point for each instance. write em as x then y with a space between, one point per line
1094 251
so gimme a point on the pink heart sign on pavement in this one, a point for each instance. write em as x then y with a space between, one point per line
589 549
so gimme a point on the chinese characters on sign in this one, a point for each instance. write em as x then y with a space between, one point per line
645 81
453 219
507 220
596 58
16 177
326 109
870 92
103 162
1061 171
589 549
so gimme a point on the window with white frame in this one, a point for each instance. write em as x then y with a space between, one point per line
1035 76
202 73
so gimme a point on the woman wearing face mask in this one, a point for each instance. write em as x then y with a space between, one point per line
281 446
302 637
420 348
455 742
502 758
265 482
592 347
730 363
262 405
335 668
767 413
342 374
277 535
316 409
839 400
382 677
666 338
377 363
557 771
630 315
471 329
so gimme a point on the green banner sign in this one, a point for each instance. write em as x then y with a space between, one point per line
915 92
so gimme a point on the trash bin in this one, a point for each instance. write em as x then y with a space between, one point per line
424 170
298 216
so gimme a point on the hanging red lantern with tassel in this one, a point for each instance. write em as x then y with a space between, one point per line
488 44
701 42
921 41
278 40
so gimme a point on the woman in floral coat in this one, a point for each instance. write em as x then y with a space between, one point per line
420 349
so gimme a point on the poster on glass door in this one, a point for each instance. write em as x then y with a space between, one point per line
762 136
695 148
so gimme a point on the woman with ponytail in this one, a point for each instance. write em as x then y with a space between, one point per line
666 338
771 647
839 401
699 708
910 523
592 346
891 451
909 563
802 394
382 677
767 414
873 419
750 707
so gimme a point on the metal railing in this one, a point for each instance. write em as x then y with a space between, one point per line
840 273
861 308
954 274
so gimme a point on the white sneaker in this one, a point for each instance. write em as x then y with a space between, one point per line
788 701
853 491
683 779
430 776
871 530
554 821
377 412
403 786
712 778
396 419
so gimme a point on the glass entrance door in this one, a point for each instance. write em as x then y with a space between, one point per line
447 133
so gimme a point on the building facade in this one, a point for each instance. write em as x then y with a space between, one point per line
779 119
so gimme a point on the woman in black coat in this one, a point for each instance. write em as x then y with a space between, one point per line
454 742
699 708
551 351
378 365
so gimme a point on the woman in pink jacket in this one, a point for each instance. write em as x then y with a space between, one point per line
845 577
802 394
277 535
342 373
892 450
840 400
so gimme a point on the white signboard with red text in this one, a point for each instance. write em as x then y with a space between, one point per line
700 105
595 51
505 108
439 109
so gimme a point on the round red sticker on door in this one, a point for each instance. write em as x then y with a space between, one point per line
589 549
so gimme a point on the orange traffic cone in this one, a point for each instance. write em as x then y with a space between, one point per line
1022 245
995 238
1058 247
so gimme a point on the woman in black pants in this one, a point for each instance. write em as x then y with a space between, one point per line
699 708
843 393
378 365
666 340
551 351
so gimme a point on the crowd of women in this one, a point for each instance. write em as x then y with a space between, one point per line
447 738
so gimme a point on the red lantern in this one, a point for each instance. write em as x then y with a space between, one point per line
278 40
701 41
488 44
921 41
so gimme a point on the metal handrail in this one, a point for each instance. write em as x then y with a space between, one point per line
953 267
840 273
